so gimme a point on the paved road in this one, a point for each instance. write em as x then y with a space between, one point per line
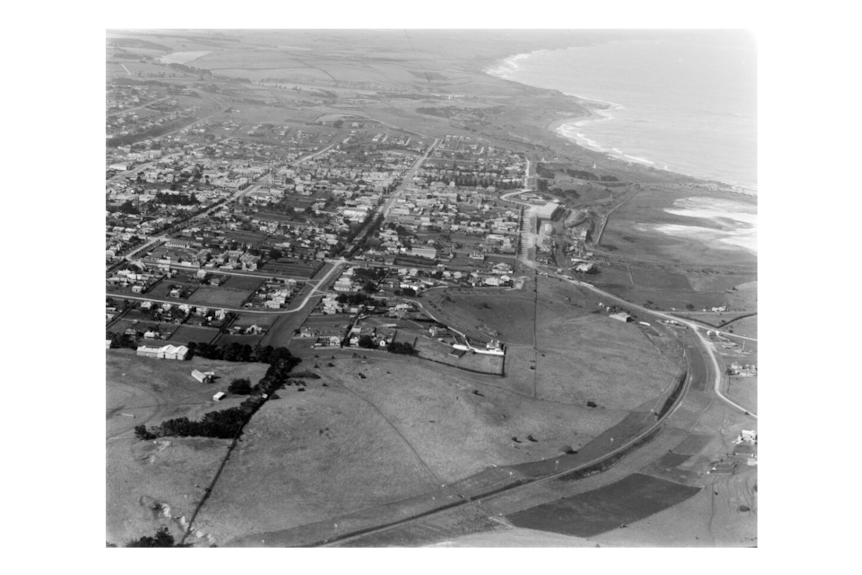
124 110
313 293
315 154
407 179
251 274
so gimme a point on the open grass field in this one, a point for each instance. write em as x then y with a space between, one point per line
458 432
251 340
479 313
743 297
312 455
724 514
157 389
606 508
186 333
259 319
398 430
290 268
218 297
584 356
743 390
677 468
612 275
659 280
163 288
717 282
143 476
439 352
243 283
667 300
173 471
746 326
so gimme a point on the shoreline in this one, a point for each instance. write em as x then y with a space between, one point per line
589 104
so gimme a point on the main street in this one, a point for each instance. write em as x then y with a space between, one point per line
408 179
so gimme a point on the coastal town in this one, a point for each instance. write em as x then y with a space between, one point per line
360 291
211 225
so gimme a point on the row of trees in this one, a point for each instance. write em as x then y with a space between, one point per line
227 423
239 352
176 199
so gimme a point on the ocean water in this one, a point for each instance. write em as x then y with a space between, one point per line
678 100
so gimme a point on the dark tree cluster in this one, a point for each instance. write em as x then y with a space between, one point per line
161 539
357 298
402 348
240 386
176 199
128 207
369 274
238 352
119 340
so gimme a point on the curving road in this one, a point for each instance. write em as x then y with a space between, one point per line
704 343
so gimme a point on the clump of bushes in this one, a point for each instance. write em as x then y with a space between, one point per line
402 348
161 539
240 386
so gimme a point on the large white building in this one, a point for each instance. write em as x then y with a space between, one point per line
179 352
546 212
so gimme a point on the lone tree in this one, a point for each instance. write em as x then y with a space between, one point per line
402 348
240 386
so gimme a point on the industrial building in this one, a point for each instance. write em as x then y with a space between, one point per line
548 211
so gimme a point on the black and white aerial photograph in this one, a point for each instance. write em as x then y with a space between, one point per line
431 288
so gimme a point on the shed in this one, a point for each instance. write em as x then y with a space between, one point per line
621 316
218 396
203 377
